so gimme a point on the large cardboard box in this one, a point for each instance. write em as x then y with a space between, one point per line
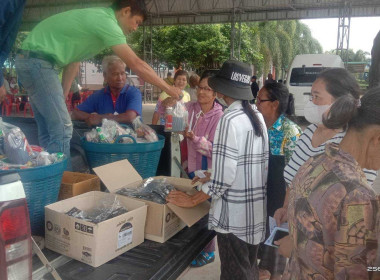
163 220
74 183
94 244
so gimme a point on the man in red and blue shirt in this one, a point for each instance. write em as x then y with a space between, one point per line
117 101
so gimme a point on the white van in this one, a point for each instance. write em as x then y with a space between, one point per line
304 71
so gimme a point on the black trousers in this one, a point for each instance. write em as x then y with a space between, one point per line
238 259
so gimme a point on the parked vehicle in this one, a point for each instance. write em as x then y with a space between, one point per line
304 71
15 237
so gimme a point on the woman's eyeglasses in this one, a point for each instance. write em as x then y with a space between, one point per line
258 100
204 89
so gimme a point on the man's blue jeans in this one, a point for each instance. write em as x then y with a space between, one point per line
41 81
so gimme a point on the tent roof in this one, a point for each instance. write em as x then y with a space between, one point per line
170 12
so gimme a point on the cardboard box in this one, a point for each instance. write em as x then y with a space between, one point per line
94 244
163 220
74 183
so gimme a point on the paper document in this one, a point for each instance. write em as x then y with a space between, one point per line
277 234
272 224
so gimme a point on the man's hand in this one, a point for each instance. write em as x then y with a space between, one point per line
169 102
94 119
202 180
180 199
281 216
285 246
3 93
174 92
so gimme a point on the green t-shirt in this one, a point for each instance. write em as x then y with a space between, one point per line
75 35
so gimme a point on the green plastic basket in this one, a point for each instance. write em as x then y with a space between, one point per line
41 186
144 157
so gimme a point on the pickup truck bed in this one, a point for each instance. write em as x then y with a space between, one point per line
150 260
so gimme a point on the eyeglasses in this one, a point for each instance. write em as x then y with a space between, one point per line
204 89
313 97
258 100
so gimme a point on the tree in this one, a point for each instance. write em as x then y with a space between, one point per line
208 45
358 56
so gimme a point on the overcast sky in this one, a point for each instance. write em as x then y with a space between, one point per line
362 32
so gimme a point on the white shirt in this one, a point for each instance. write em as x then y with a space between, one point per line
304 150
239 177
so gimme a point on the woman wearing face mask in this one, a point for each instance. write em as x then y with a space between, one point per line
333 212
331 94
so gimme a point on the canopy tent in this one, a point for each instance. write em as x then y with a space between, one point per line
170 12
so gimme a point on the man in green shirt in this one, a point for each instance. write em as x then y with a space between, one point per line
64 40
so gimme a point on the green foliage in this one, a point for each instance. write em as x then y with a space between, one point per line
358 56
208 46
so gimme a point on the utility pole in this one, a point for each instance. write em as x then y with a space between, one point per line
343 40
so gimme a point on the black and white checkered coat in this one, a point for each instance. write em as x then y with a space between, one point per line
239 177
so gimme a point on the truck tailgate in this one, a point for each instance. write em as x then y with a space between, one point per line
150 260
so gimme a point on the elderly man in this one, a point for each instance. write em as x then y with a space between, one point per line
117 101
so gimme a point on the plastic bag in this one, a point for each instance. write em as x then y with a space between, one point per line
44 158
155 190
126 131
106 208
180 116
108 132
16 147
92 136
144 130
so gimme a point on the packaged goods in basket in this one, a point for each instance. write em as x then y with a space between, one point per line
108 132
155 190
105 209
16 153
111 132
144 130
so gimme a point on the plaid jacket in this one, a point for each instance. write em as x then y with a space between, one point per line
239 177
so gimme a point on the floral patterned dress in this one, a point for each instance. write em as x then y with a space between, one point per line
332 219
283 135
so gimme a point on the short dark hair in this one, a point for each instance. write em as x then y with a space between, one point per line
278 91
346 92
206 74
138 7
181 73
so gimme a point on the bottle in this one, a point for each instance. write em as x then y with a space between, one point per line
168 118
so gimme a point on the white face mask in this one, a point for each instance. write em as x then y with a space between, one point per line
221 101
314 113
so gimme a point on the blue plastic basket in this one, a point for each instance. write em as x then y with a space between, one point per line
144 157
41 185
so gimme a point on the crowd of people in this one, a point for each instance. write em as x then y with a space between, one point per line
264 167
257 165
